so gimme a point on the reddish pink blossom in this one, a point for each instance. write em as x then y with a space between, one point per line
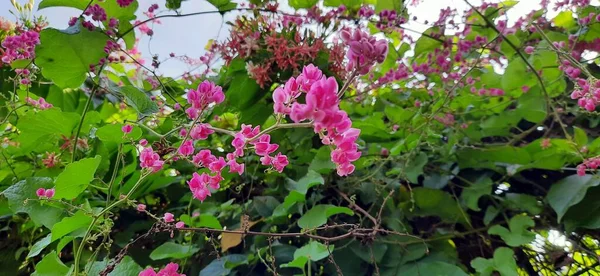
180 225
187 148
168 217
96 12
20 46
239 142
235 167
206 93
143 142
217 165
45 193
364 50
204 158
124 3
151 160
201 132
279 162
263 146
127 128
141 207
310 74
198 186
249 132
51 160
168 270
41 192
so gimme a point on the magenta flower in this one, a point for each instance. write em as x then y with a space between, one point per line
127 128
151 160
168 217
235 167
201 132
187 148
180 225
141 207
279 162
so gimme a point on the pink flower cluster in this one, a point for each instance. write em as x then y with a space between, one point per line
207 93
168 270
124 3
322 109
587 94
39 103
96 12
364 50
150 160
20 46
45 193
591 163
51 160
387 18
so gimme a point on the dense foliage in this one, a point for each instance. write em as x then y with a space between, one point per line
326 139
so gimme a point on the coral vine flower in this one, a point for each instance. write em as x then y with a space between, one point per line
127 128
206 93
168 217
151 160
201 132
45 193
169 270
364 50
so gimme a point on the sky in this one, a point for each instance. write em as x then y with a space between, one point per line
190 35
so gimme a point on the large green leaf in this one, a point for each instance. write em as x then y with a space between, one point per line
40 131
126 267
223 5
111 8
138 100
517 234
37 248
314 251
432 202
22 199
311 179
50 265
503 262
113 133
471 194
69 224
76 177
171 250
302 4
319 214
426 44
569 191
65 56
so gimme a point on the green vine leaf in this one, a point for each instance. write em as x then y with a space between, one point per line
518 234
76 177
319 214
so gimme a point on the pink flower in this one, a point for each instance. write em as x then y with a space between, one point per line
529 50
310 74
177 106
127 128
168 217
214 181
143 142
183 132
217 165
187 148
96 12
123 4
195 214
263 147
198 186
49 193
204 157
279 162
148 271
20 46
235 167
151 160
364 50
141 207
201 132
51 160
206 93
525 88
266 160
239 142
545 143
180 225
249 132
41 192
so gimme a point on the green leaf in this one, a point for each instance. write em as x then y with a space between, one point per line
65 56
321 163
284 208
425 44
431 268
171 250
126 267
76 177
532 106
569 191
471 194
319 214
302 4
369 252
70 224
299 262
265 205
243 91
515 75
311 179
50 265
209 221
518 233
393 5
564 20
223 5
37 248
44 128
138 100
314 251
581 138
19 193
111 8
529 203
503 262
586 213
414 168
432 202
113 133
